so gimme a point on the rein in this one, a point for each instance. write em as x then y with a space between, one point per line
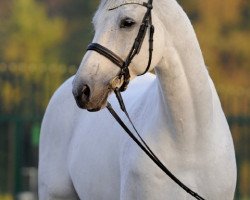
124 77
143 145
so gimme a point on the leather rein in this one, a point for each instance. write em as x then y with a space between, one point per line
124 75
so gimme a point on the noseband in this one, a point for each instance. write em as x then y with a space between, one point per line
124 64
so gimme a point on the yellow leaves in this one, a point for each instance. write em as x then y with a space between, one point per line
25 87
224 38
31 34
216 12
6 197
10 95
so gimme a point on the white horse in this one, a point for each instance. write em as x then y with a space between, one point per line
88 156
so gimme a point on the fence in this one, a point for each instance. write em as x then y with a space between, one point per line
25 92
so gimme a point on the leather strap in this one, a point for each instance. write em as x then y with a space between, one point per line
143 145
106 53
116 60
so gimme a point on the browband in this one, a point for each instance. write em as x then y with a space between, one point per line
124 4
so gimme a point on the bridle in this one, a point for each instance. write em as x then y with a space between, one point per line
124 64
124 75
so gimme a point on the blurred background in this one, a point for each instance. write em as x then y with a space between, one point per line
42 43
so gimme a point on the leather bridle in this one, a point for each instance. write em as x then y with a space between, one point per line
124 64
124 75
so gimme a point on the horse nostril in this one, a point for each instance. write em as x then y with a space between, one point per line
82 96
86 91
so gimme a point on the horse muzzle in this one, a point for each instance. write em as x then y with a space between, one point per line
82 96
91 100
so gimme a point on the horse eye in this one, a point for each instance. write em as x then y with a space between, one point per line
127 23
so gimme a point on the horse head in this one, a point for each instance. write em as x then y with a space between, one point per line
116 25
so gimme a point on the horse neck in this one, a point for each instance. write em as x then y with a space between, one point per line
183 79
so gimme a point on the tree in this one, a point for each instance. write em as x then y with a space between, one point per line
77 15
223 29
30 35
